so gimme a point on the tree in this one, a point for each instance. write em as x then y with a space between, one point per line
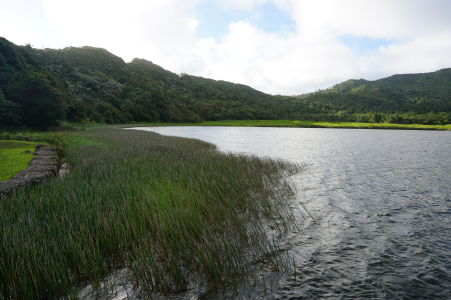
9 115
40 106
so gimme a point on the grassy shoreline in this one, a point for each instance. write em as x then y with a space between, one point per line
164 208
302 124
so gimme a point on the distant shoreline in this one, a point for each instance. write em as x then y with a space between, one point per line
302 124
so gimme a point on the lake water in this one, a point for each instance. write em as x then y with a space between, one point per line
382 200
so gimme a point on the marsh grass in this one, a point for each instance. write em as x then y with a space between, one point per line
305 124
164 208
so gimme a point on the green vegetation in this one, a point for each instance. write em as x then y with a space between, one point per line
406 99
167 209
41 88
305 124
14 157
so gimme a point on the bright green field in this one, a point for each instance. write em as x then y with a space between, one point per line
308 124
15 157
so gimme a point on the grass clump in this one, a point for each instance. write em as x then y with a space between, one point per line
15 156
164 208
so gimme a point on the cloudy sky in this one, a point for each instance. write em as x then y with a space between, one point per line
277 46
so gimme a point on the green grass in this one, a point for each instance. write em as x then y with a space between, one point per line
15 156
166 209
305 124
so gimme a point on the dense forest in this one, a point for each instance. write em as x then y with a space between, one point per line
409 98
41 88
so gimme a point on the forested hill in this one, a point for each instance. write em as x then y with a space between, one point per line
408 98
435 85
40 88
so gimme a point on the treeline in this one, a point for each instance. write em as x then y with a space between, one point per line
378 117
407 102
40 88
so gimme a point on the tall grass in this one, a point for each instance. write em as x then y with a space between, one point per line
305 124
164 208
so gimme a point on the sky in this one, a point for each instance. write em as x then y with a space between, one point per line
277 46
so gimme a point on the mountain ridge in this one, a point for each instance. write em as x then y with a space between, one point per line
412 84
41 87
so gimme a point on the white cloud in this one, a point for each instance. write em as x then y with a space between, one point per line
275 63
381 18
420 55
242 4
312 56
23 22
131 28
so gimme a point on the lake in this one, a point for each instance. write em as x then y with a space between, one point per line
381 199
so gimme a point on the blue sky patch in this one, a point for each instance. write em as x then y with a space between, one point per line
364 44
214 18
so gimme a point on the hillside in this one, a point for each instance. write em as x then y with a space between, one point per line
435 85
407 98
40 88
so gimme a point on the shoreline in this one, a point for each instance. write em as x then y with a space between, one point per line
300 124
177 203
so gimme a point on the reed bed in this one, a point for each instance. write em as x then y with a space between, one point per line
164 208
304 124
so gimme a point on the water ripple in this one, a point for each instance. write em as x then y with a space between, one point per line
382 199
